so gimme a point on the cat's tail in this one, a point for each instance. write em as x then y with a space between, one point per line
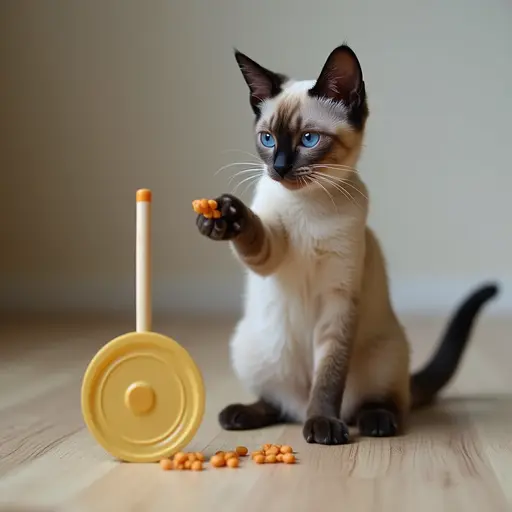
428 381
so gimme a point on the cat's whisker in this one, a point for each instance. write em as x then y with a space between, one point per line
335 186
346 182
335 183
302 181
343 184
242 151
335 167
245 171
326 191
332 171
342 180
250 183
232 165
254 177
347 194
332 175
341 189
339 166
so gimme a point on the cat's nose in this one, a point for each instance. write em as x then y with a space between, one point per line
282 163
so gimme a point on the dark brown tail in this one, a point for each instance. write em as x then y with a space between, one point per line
427 382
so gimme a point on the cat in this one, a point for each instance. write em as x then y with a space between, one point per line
319 342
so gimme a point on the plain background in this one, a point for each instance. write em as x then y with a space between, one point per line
101 97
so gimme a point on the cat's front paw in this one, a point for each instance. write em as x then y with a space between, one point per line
232 220
324 430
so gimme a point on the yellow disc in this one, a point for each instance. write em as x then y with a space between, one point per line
142 397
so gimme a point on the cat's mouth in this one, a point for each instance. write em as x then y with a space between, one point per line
295 180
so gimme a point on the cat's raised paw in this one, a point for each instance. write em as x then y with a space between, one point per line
231 222
323 430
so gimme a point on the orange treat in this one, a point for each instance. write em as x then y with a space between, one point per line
217 461
180 457
192 457
279 457
180 466
289 458
206 207
241 450
166 464
266 447
220 452
259 459
187 464
257 452
286 449
232 462
274 450
270 459
200 456
197 465
230 455
196 204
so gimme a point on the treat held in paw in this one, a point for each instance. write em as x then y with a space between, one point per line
206 207
323 430
222 218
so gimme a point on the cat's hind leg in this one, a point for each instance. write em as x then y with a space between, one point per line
380 418
378 388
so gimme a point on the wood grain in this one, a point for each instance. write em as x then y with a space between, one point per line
455 456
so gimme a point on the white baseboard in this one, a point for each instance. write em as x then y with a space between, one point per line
217 296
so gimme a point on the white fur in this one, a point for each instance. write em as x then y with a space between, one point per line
272 348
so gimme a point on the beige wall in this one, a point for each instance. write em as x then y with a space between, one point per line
98 98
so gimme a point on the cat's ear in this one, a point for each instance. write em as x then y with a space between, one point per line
341 78
263 83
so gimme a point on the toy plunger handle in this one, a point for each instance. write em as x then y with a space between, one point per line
143 261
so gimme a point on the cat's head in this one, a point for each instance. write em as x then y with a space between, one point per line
308 127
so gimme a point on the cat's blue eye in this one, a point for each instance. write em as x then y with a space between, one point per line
310 139
267 140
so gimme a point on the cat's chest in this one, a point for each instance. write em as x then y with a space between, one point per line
313 239
320 254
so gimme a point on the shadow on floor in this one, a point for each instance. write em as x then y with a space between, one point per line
458 411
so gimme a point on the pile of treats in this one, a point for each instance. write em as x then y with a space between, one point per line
207 207
273 453
268 454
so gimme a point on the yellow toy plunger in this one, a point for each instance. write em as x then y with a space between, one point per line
142 394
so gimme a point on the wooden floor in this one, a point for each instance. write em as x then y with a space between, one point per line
456 456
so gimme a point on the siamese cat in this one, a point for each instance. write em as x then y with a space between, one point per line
319 342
